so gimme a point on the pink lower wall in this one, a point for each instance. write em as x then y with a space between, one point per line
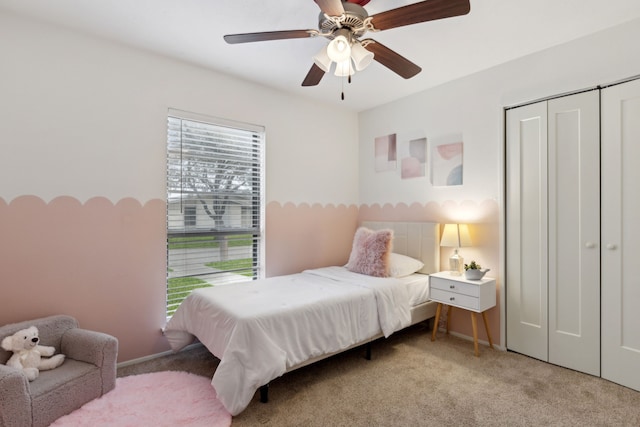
105 263
100 262
308 236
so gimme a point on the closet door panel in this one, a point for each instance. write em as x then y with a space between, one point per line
526 224
621 234
574 232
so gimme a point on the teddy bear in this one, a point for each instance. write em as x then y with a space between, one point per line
28 354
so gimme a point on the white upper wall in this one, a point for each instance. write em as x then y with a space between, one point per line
84 117
474 106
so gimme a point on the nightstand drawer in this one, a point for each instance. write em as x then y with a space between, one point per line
455 299
455 286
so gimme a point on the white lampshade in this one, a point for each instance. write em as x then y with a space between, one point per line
322 60
455 236
361 56
339 48
344 68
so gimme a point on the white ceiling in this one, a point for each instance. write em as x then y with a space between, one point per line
494 32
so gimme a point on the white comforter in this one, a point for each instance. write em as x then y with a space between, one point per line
260 329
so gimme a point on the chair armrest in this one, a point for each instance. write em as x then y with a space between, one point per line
93 347
89 346
15 400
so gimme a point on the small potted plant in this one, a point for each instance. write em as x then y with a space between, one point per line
473 271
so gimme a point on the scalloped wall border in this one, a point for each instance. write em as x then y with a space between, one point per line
105 262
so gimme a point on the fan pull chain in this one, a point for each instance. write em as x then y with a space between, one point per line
348 81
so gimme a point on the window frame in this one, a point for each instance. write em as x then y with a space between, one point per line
248 163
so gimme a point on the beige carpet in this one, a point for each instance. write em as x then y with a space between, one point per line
412 381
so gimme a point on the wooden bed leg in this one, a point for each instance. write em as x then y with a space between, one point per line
367 351
264 393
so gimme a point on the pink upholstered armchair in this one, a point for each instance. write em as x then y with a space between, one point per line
88 372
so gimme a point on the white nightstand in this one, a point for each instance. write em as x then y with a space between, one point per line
476 296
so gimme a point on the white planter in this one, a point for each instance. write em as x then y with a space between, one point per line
475 274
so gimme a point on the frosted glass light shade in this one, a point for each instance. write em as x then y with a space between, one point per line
361 56
322 60
344 69
339 49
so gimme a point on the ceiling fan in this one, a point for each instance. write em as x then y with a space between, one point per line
344 22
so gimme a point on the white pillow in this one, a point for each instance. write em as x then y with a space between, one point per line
402 265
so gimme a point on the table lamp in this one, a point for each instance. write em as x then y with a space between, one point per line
455 236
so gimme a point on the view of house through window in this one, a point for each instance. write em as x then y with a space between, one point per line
214 203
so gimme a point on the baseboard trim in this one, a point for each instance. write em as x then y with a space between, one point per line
470 338
155 356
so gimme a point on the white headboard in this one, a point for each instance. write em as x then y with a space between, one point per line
419 240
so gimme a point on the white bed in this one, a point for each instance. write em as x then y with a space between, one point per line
262 329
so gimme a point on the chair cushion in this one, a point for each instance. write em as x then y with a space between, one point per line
70 370
60 391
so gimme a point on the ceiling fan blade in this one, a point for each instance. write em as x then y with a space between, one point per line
428 10
331 7
392 60
314 76
270 35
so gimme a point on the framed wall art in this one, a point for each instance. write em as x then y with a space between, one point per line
446 165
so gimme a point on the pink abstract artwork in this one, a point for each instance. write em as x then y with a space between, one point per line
385 153
446 161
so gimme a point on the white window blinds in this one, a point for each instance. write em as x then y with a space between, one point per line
215 203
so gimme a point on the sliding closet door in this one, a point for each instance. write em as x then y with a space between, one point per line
574 231
526 230
621 234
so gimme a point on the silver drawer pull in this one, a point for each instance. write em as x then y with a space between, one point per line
452 286
452 299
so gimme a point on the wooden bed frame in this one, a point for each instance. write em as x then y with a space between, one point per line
419 240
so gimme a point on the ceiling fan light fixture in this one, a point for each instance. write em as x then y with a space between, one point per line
344 22
361 56
322 60
339 49
344 68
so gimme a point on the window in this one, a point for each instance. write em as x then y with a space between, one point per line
215 203
189 216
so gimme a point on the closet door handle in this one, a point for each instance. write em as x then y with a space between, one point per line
612 246
590 245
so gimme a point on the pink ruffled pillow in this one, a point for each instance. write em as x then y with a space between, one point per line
370 252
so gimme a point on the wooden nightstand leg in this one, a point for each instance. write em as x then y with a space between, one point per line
449 310
486 327
474 325
437 321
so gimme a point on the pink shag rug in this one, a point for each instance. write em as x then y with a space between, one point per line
156 399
